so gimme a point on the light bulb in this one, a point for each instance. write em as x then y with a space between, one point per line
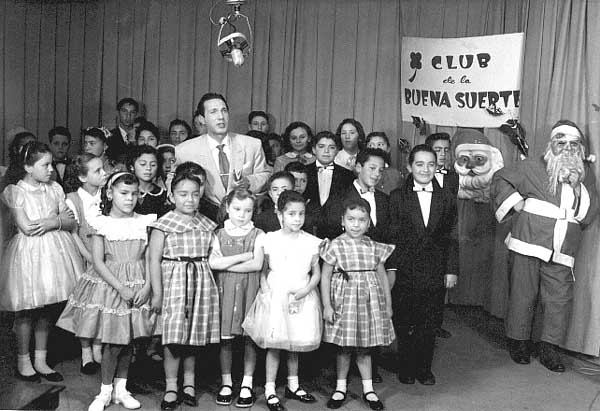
237 57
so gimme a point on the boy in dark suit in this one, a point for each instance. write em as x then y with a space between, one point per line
326 181
60 141
447 178
422 219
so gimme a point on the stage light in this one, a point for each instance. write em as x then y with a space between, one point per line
235 39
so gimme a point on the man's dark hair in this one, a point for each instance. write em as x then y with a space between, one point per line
327 134
128 100
204 99
257 113
63 131
363 155
432 138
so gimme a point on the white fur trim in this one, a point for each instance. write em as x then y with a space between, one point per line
507 205
584 205
472 147
524 248
566 130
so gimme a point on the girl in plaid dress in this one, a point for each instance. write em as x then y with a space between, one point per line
184 289
357 305
237 253
286 314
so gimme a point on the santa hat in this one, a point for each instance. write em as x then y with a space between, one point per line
469 139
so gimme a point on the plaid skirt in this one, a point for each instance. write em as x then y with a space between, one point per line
360 315
190 309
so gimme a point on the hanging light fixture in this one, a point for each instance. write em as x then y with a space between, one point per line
235 33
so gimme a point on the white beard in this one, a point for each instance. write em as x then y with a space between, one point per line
558 167
474 184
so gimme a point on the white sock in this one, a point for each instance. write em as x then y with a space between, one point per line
24 365
97 352
293 383
171 385
246 382
40 362
367 386
340 385
106 389
86 355
270 390
120 384
189 380
226 380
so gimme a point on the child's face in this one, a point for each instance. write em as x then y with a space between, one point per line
41 170
145 167
275 148
186 196
349 136
325 150
168 162
380 143
96 176
298 139
93 145
147 137
442 150
59 146
423 167
277 187
356 222
178 134
124 197
371 172
292 216
260 123
240 211
300 181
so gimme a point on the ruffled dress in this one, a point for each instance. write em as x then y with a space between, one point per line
276 319
190 306
357 296
95 309
237 291
38 270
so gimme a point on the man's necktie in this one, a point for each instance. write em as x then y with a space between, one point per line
223 166
426 189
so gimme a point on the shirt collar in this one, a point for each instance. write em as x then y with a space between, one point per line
212 143
361 191
420 187
318 164
230 227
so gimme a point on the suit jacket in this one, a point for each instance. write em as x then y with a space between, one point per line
451 182
246 156
423 255
56 175
340 181
117 150
378 232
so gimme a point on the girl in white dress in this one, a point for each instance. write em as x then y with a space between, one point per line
286 314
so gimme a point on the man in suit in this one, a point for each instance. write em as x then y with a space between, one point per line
60 141
231 160
123 136
422 219
326 181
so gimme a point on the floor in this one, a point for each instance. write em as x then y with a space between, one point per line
473 370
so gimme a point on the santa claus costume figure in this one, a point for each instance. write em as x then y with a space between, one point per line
552 198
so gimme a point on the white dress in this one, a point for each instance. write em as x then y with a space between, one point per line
276 319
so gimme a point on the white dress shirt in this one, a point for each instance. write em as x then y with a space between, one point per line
368 195
324 177
424 194
214 150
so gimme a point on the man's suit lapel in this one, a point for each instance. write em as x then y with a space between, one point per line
212 171
237 157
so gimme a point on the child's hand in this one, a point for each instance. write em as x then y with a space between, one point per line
42 226
450 280
328 314
126 293
141 296
301 293
156 303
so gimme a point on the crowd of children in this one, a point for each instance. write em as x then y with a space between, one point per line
324 255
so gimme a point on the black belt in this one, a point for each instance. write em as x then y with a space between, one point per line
189 303
344 273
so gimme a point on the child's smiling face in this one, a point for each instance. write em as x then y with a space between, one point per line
423 167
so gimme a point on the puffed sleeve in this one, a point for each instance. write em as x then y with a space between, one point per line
328 252
383 251
14 196
60 196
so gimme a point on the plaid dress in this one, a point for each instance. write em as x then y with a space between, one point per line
190 309
357 297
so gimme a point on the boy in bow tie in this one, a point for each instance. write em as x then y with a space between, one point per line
422 220
446 177
60 140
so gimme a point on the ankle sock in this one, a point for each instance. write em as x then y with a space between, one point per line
40 362
24 365
120 385
170 385
226 380
86 355
189 381
340 385
106 389
246 382
270 390
293 384
367 386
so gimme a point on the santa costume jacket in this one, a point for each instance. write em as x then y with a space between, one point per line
549 226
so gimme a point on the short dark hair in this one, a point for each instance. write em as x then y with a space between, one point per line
432 138
137 151
289 196
363 155
189 176
359 129
381 134
147 126
128 100
95 132
296 167
179 122
63 131
420 148
257 113
356 203
287 146
208 96
327 134
281 174
191 167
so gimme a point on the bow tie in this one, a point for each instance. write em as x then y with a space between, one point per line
322 168
427 189
57 162
369 190
441 171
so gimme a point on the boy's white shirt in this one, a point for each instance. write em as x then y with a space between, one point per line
370 197
425 200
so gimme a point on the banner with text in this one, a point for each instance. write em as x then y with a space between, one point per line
468 81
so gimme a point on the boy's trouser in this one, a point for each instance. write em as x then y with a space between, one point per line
553 283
